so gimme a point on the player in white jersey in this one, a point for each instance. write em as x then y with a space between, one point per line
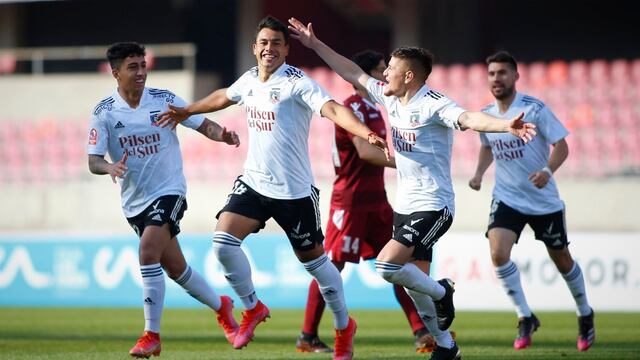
422 122
277 182
148 161
525 192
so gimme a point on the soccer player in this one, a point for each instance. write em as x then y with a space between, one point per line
526 193
147 159
279 100
360 218
422 122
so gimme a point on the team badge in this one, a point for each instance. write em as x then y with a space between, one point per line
274 95
414 119
153 116
93 136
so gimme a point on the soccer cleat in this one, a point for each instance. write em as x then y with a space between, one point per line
442 353
148 344
344 341
526 327
250 319
311 345
226 319
425 343
586 332
445 311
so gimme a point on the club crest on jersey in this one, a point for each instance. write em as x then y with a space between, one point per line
274 95
414 119
153 116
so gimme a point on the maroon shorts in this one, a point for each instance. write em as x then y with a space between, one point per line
354 235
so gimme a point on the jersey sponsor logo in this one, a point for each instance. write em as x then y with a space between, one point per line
140 145
119 125
297 228
403 140
507 150
260 120
274 95
93 136
549 235
155 206
414 119
296 234
153 116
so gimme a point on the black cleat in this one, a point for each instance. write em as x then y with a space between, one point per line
586 332
526 327
442 353
445 311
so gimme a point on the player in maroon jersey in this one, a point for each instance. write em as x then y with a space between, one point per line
360 219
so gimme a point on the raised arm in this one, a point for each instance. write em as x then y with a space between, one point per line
344 67
482 122
345 118
217 100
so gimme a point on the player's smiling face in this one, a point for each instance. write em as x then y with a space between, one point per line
131 74
502 79
395 76
270 49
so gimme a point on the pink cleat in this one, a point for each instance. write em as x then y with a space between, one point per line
250 319
148 344
586 332
226 320
344 342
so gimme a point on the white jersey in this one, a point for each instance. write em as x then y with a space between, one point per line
515 160
279 115
154 160
422 135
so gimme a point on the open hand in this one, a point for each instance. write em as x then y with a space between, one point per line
230 137
380 143
174 116
303 33
521 129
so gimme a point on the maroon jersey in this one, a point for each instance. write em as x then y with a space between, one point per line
359 185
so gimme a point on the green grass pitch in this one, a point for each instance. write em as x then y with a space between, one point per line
72 333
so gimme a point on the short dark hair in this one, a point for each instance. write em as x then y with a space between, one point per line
368 60
503 57
122 50
417 55
274 24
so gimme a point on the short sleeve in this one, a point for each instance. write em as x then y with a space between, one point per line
98 136
549 126
311 94
375 88
194 121
234 92
445 110
484 140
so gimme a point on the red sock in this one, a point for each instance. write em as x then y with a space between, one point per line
409 308
314 309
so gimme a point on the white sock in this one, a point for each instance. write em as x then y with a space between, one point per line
575 282
152 296
427 311
411 277
330 284
237 269
509 277
197 287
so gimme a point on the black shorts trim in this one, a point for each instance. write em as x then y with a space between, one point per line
165 209
548 228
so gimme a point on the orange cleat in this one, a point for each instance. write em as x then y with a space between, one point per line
148 344
250 319
425 343
226 319
344 342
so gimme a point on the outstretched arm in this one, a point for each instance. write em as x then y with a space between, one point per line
215 132
346 68
345 118
217 100
482 122
485 158
371 154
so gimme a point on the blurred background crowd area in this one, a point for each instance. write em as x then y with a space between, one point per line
579 57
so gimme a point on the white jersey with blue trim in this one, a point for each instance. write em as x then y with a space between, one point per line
422 135
154 163
515 160
279 115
